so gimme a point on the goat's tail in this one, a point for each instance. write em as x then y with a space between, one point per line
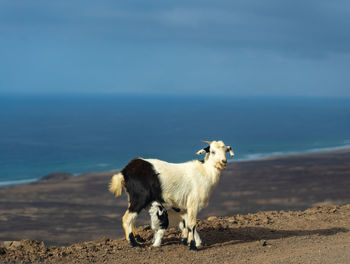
116 184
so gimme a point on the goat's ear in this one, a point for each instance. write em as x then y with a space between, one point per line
199 152
202 151
229 149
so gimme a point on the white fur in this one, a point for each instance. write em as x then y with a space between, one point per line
158 235
154 211
188 185
116 184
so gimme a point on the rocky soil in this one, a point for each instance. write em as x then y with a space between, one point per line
316 235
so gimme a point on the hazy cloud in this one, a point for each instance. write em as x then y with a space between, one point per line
239 47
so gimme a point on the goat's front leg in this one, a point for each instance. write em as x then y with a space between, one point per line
197 238
184 234
184 231
191 226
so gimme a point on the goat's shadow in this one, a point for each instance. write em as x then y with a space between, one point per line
212 237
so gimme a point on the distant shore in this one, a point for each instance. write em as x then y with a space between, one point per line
274 155
251 157
63 209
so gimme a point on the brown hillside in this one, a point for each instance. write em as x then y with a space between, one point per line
317 235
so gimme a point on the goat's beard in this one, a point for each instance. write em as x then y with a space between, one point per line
220 166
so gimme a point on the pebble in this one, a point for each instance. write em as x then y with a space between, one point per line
12 243
263 243
2 251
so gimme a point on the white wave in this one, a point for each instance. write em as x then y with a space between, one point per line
261 156
16 182
328 149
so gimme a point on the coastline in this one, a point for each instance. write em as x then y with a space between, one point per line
64 210
277 154
17 182
249 158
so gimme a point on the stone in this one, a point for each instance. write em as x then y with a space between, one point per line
2 251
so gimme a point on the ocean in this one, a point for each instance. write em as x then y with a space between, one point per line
41 134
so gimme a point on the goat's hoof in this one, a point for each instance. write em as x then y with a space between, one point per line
193 246
156 245
140 239
132 241
184 241
135 245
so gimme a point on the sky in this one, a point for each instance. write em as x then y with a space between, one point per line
241 47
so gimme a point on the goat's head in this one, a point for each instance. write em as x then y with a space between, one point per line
216 153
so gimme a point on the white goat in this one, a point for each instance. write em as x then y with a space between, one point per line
186 187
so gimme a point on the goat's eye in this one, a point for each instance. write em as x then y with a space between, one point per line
212 152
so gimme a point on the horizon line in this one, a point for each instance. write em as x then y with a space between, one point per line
178 95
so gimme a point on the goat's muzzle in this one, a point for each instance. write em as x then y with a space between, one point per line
221 165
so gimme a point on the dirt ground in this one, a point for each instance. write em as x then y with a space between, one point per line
61 209
317 235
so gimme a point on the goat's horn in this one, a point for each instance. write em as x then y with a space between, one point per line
205 141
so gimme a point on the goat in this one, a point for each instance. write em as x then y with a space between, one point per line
157 184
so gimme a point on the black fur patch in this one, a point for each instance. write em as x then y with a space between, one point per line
163 218
133 242
184 241
207 149
176 209
193 245
193 229
142 184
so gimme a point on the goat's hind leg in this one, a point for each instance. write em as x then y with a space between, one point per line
159 222
128 223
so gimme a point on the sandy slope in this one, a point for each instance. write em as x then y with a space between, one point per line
317 235
63 211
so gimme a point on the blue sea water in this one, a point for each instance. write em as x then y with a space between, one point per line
40 134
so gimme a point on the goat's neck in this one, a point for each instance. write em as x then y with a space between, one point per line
213 173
